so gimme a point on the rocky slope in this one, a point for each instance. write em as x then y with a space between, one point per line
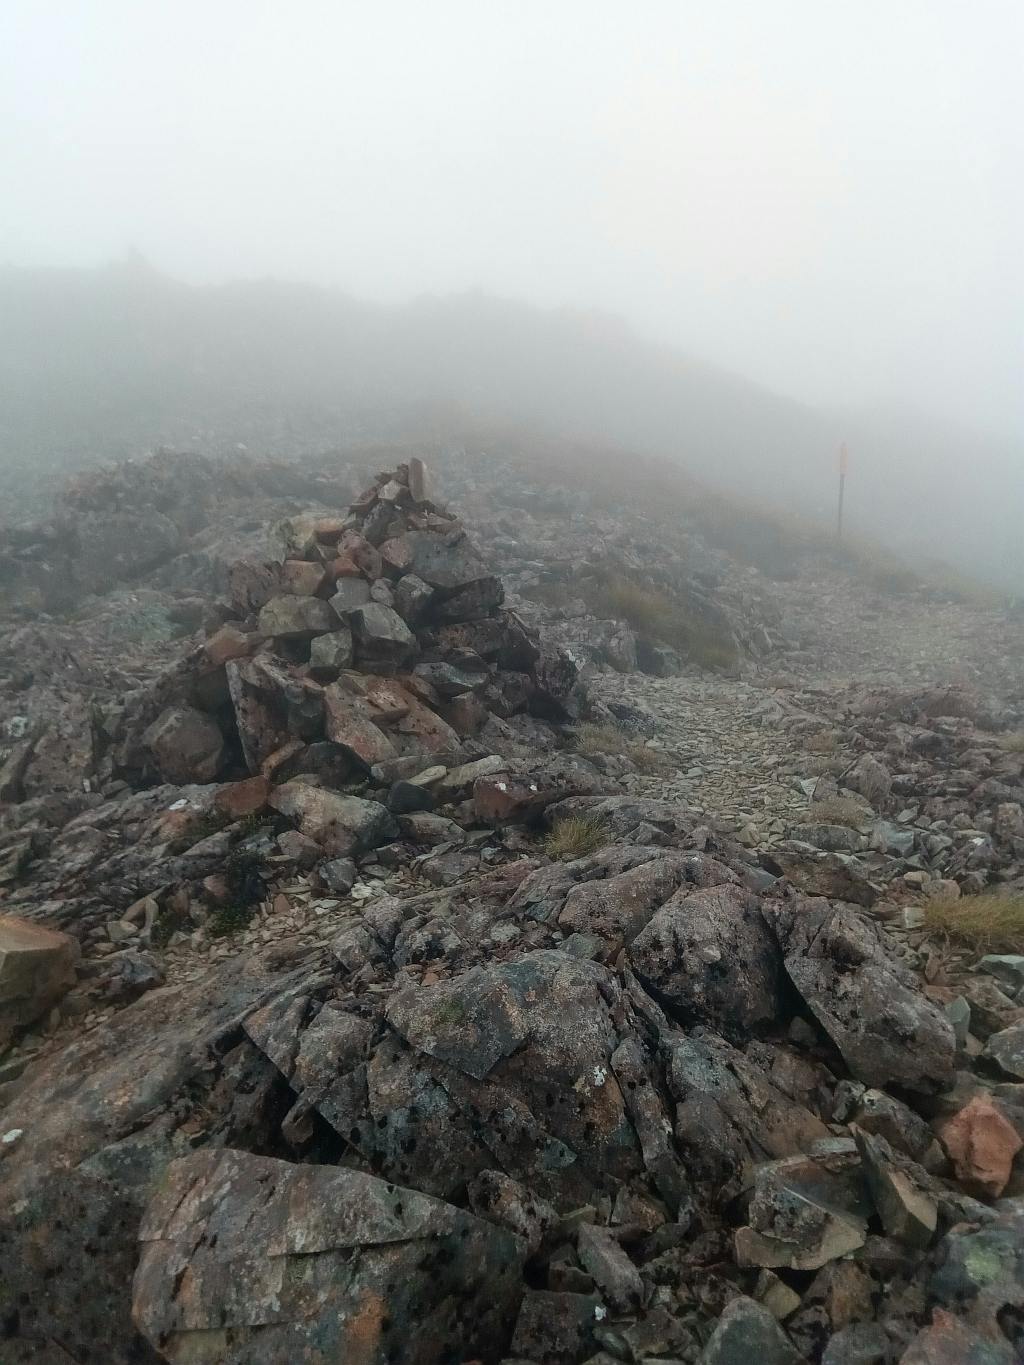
392 970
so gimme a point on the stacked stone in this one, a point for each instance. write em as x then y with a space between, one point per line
377 649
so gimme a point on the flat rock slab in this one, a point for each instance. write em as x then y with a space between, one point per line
251 1261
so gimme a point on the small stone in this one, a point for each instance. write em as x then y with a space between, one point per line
338 875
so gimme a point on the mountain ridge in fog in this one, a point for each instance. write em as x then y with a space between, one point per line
105 363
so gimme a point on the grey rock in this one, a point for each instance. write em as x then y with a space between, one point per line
1006 1049
251 1261
746 1332
339 824
886 1030
383 640
329 654
293 618
338 875
349 594
612 1271
186 745
709 956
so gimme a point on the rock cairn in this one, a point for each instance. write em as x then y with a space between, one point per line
368 657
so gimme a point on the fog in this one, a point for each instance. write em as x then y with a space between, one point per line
825 201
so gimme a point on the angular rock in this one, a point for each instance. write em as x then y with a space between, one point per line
383 641
251 1261
746 1333
186 745
709 957
37 967
350 722
350 594
619 906
615 1275
981 1144
802 1216
339 824
1006 1049
413 598
296 618
329 654
907 1212
887 1032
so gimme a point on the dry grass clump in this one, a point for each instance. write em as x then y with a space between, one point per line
839 810
988 923
606 739
663 619
1012 742
575 836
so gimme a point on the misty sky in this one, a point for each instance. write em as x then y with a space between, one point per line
824 197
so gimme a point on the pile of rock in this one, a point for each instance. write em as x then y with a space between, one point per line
372 653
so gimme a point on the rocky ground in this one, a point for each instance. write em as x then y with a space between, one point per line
496 937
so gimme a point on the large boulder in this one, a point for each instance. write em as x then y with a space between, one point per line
251 1261
869 1005
186 745
708 956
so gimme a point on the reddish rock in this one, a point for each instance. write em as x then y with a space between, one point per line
981 1143
236 800
948 1341
343 566
302 578
365 556
350 722
37 967
229 643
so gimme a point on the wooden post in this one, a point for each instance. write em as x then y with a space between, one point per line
844 464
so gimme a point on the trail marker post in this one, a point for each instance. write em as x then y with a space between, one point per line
844 464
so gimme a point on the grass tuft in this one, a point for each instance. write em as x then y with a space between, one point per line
1012 742
575 836
606 739
985 923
